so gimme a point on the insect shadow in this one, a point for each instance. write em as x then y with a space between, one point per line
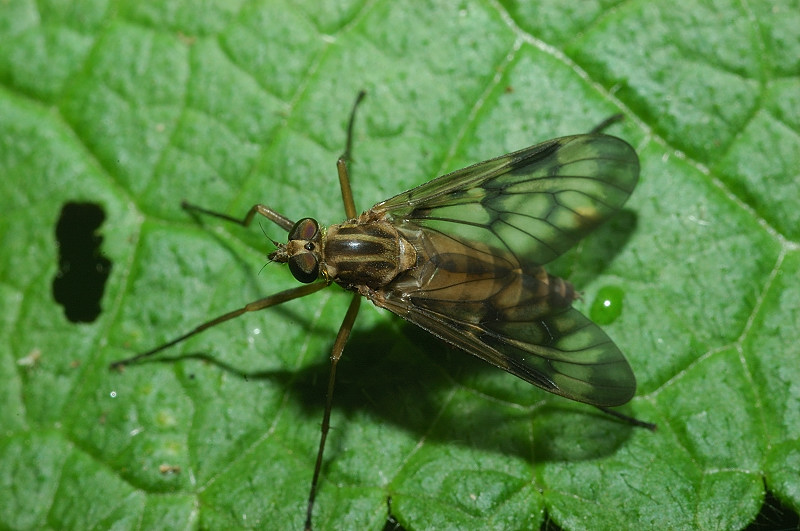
401 375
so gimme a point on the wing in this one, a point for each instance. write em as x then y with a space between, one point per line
521 321
534 204
577 360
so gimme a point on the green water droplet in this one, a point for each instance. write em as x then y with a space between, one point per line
607 305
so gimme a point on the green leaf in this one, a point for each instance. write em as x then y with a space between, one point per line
138 105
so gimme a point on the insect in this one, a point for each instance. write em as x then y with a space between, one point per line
462 257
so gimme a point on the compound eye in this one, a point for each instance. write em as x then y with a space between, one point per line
305 229
304 267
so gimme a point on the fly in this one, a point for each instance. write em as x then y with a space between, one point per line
462 256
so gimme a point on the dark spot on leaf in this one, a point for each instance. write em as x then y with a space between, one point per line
774 515
82 270
391 522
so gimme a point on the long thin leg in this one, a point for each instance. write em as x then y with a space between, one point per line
336 353
614 118
277 218
266 302
633 421
341 164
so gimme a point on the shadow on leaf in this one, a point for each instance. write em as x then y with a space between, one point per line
407 378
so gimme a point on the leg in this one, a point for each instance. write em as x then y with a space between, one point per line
614 118
341 164
266 302
267 212
336 353
633 421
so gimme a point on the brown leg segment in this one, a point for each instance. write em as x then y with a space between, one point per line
272 215
633 421
266 302
341 164
336 354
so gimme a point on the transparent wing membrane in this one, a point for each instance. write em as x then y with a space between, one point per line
535 203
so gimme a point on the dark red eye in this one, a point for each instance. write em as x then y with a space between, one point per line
305 229
304 267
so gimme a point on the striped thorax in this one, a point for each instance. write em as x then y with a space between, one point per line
363 252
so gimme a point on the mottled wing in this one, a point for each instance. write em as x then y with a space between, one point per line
481 235
575 360
519 321
534 203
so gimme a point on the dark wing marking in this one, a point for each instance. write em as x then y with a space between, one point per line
534 204
519 321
